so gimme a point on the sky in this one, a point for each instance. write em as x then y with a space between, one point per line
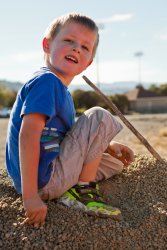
133 38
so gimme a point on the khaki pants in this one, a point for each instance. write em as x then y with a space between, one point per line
88 138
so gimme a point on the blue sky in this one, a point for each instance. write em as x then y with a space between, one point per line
129 26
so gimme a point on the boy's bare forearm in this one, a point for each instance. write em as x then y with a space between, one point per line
29 152
29 157
35 208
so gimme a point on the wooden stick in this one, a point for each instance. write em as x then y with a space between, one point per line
125 121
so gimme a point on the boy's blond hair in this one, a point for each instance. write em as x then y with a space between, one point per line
57 24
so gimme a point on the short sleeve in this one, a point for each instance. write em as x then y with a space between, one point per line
40 96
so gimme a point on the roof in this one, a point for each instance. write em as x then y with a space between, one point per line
140 92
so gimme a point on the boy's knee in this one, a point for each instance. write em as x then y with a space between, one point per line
98 112
103 117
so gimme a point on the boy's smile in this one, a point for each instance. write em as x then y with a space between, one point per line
71 58
71 51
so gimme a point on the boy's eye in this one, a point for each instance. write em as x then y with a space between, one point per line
68 40
85 47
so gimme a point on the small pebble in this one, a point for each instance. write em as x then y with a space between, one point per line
139 192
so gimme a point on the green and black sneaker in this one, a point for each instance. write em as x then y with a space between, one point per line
88 199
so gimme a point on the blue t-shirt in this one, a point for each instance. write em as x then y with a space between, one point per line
44 93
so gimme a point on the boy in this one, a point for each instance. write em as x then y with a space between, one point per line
47 155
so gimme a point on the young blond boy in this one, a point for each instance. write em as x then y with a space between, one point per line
49 156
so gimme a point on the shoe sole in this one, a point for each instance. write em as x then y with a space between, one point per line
117 217
83 208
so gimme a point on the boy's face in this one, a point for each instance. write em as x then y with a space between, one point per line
71 51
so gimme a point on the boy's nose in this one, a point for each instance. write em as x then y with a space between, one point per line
76 48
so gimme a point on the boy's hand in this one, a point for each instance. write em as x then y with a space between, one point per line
35 211
121 152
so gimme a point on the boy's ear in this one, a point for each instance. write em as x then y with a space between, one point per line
45 44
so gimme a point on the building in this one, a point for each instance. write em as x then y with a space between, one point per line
146 101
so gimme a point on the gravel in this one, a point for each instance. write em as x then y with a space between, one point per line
140 192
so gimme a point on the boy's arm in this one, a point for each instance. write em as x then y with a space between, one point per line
29 151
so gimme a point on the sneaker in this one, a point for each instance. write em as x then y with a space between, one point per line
88 199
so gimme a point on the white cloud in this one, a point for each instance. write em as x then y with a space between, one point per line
19 66
110 72
115 18
115 71
27 57
161 35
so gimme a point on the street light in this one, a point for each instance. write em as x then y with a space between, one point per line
139 54
100 27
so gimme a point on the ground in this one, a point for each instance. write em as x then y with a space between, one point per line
154 129
139 191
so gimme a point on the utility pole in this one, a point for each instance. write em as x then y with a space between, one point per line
139 54
101 27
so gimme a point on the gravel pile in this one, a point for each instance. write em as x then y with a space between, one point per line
140 192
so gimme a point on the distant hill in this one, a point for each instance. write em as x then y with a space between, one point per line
110 89
106 88
14 86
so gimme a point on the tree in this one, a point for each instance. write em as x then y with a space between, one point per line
163 89
121 101
7 97
154 88
77 97
85 99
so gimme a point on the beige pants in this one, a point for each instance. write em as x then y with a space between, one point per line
88 138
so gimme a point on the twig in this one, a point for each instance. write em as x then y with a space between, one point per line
125 121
